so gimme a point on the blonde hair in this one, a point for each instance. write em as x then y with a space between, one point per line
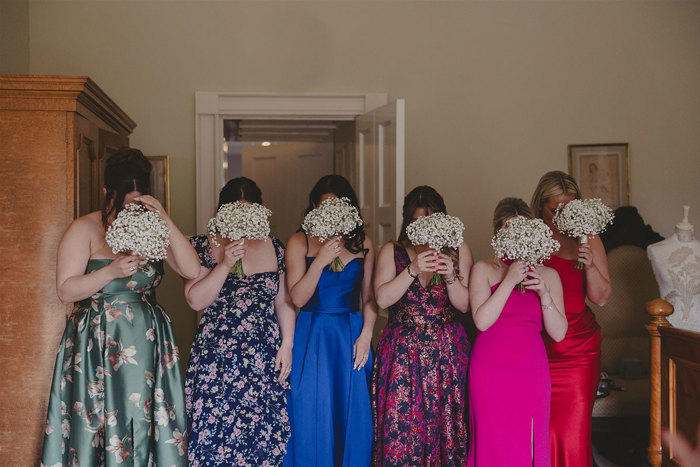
507 208
552 184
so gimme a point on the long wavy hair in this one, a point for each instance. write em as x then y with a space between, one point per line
341 188
126 170
553 183
428 198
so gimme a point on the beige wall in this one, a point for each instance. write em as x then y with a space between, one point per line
14 36
494 90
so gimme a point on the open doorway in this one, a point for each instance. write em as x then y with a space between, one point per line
286 158
373 162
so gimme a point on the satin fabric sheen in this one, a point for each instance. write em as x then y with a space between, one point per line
328 404
574 366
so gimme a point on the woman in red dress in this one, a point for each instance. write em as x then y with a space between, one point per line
574 363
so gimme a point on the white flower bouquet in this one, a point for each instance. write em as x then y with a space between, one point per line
437 231
138 231
526 240
240 220
580 218
334 217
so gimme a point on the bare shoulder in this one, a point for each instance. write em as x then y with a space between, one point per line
387 249
483 268
296 241
87 225
548 273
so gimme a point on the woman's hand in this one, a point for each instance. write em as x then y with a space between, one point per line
517 272
445 266
537 283
153 205
234 251
124 265
360 351
585 255
283 362
425 262
328 251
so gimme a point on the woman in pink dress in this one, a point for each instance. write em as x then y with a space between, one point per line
509 385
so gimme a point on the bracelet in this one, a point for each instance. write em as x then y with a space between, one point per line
451 281
408 269
548 306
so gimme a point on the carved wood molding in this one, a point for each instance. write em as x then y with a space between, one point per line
658 310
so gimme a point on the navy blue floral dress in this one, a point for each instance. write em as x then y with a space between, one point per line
236 408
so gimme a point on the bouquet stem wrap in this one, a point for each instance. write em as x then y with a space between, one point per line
337 264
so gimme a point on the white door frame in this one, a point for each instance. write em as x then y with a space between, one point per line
211 108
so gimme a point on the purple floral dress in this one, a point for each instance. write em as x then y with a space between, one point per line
236 408
419 380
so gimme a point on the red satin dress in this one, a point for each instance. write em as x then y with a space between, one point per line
574 368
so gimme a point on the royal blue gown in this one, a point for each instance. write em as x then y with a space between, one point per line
329 404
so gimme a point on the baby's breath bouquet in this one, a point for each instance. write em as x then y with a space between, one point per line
438 231
526 240
138 231
580 218
240 220
334 217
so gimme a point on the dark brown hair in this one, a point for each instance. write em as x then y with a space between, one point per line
240 188
341 188
428 198
126 170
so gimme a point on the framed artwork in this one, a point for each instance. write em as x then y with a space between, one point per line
602 171
160 180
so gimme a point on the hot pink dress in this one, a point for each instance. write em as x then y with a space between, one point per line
509 389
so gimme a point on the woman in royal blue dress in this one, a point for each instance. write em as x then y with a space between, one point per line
239 365
329 403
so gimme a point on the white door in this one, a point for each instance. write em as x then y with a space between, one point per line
379 173
286 172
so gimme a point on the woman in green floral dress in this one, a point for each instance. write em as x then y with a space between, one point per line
117 394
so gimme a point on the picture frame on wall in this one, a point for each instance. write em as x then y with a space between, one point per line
160 180
602 171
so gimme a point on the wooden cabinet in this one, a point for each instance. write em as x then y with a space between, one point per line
55 132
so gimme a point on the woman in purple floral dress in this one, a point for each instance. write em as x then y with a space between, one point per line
239 365
420 372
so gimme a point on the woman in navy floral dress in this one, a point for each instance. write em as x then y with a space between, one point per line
239 365
420 372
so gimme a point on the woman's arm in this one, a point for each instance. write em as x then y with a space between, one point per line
545 281
302 282
201 291
389 287
592 255
457 286
487 307
72 284
363 343
181 256
286 317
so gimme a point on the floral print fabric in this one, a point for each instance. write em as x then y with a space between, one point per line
117 395
419 380
236 408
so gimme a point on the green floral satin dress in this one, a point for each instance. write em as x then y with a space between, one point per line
117 395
